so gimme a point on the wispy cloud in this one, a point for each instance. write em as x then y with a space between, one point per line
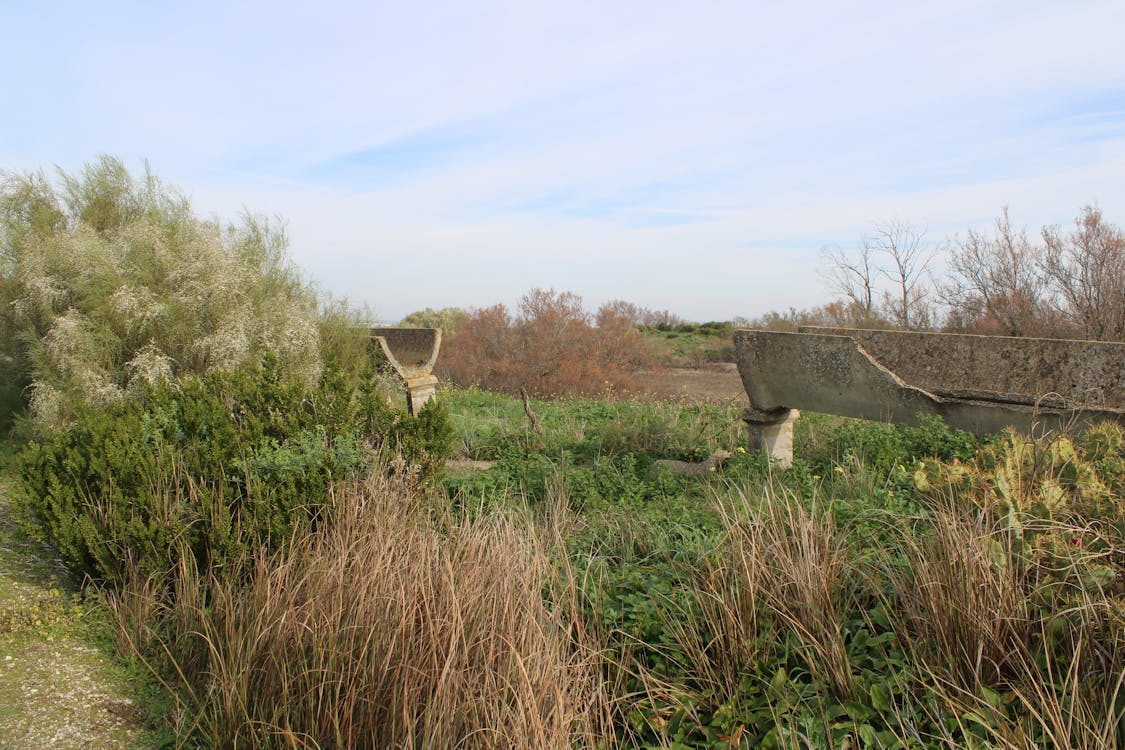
688 156
419 155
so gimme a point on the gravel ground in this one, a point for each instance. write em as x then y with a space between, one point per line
56 691
58 695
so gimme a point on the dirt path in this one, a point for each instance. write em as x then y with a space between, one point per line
56 690
713 383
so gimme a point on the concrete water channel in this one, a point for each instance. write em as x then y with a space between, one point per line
981 384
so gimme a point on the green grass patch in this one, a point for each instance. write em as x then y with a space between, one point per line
691 345
912 587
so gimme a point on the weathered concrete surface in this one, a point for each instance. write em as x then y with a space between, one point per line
772 434
1056 372
412 353
836 373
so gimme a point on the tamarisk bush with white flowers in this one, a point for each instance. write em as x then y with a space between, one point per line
109 281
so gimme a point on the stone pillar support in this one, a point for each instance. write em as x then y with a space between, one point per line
419 390
771 432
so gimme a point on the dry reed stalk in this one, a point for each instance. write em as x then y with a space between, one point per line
989 646
786 563
379 631
961 595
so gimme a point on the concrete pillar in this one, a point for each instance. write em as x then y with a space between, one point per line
419 390
771 432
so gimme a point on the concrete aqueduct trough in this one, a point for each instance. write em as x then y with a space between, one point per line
412 353
980 384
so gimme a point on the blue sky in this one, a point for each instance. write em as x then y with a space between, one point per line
689 156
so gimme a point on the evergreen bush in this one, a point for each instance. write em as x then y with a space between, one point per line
216 467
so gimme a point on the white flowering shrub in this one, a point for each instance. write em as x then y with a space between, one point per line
109 281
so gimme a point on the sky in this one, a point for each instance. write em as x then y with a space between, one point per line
689 156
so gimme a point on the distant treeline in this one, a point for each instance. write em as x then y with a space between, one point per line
1060 284
1066 284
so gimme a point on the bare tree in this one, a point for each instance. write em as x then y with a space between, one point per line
1087 268
852 277
907 303
996 283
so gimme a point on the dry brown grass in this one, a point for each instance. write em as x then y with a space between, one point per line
786 563
992 643
386 630
962 597
1011 662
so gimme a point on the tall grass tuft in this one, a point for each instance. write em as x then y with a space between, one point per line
976 621
961 597
1007 601
782 565
389 629
1016 670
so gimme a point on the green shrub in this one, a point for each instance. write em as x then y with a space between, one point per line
216 467
13 383
716 328
448 319
881 447
423 442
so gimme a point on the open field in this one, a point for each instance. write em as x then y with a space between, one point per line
730 607
222 529
743 608
714 382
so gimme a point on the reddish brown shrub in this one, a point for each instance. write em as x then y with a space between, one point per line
552 347
641 316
